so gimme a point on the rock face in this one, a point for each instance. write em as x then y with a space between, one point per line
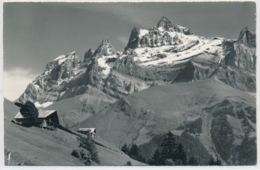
66 77
88 55
46 87
241 53
233 125
105 48
166 24
239 66
247 37
161 35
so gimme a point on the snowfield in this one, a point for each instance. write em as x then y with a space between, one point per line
102 63
171 54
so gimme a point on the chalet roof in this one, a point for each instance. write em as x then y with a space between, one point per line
87 129
42 114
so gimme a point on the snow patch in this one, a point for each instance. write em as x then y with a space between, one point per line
43 105
60 57
161 29
62 93
102 63
63 58
143 32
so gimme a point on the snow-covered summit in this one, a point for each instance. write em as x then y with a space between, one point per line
165 33
170 44
62 58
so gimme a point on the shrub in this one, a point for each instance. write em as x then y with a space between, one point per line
83 155
89 144
76 153
128 163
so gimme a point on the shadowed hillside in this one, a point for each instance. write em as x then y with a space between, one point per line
177 107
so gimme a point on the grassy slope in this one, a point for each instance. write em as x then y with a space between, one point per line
42 147
159 109
73 110
38 146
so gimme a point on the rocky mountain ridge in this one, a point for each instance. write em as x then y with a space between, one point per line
165 54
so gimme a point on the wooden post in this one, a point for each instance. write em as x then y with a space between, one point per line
8 158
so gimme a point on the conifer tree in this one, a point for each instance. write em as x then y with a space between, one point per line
193 161
125 149
180 155
133 153
156 158
168 147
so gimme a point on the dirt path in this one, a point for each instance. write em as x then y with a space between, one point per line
110 122
128 130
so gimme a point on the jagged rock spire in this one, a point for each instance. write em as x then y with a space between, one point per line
105 41
105 48
247 37
165 23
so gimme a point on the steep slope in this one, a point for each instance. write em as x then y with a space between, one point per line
66 76
233 128
45 88
238 69
179 107
36 146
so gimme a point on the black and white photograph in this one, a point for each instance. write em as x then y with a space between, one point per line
129 83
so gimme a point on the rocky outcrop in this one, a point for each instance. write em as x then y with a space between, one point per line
158 36
47 86
88 55
247 37
166 24
62 67
239 55
66 76
233 124
238 69
237 78
105 48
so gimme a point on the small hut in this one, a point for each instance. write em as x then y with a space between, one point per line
91 132
46 119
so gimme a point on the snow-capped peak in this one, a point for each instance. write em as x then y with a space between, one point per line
170 44
165 33
62 58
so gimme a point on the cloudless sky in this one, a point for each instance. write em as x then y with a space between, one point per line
36 33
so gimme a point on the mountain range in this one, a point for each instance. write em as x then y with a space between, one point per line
166 79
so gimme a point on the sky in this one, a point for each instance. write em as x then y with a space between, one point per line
36 33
